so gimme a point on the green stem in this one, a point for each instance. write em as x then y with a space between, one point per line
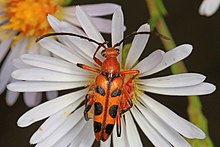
64 2
194 109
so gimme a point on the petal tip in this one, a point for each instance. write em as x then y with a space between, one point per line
10 86
188 47
21 123
212 88
145 27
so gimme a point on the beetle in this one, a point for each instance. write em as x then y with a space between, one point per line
110 94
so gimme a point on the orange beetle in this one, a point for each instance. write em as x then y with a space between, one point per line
109 94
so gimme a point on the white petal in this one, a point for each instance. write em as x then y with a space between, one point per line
209 7
34 49
181 125
44 52
118 30
7 67
122 140
60 50
32 98
200 89
80 137
88 25
117 26
89 48
103 25
149 62
149 131
178 80
132 132
49 108
72 20
91 9
4 47
25 86
52 63
107 143
51 94
167 132
18 63
53 21
11 97
171 57
99 9
65 127
89 138
137 47
75 132
39 74
79 46
53 123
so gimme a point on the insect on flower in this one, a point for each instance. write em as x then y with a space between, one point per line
110 94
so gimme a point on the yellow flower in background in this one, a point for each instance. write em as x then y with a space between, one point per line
28 17
22 21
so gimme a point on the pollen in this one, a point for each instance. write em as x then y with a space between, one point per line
29 17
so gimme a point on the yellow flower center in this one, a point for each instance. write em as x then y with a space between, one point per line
29 17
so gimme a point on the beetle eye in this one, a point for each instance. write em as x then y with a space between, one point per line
103 53
117 50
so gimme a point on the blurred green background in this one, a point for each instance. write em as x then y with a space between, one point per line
186 26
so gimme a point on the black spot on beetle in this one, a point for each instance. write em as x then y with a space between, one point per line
100 90
109 128
116 92
113 111
97 126
98 108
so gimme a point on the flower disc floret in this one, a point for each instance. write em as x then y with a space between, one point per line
26 21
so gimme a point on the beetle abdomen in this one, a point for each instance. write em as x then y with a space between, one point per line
107 102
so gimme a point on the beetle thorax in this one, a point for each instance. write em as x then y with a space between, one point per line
110 65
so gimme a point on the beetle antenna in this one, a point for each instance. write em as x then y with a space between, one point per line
70 34
137 33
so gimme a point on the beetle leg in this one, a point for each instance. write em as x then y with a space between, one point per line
86 67
97 61
127 97
118 124
94 55
89 101
88 105
126 105
128 87
130 72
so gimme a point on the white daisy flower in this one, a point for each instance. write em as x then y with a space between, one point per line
65 124
20 25
209 7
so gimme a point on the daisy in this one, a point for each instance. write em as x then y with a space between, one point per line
20 25
65 124
209 7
